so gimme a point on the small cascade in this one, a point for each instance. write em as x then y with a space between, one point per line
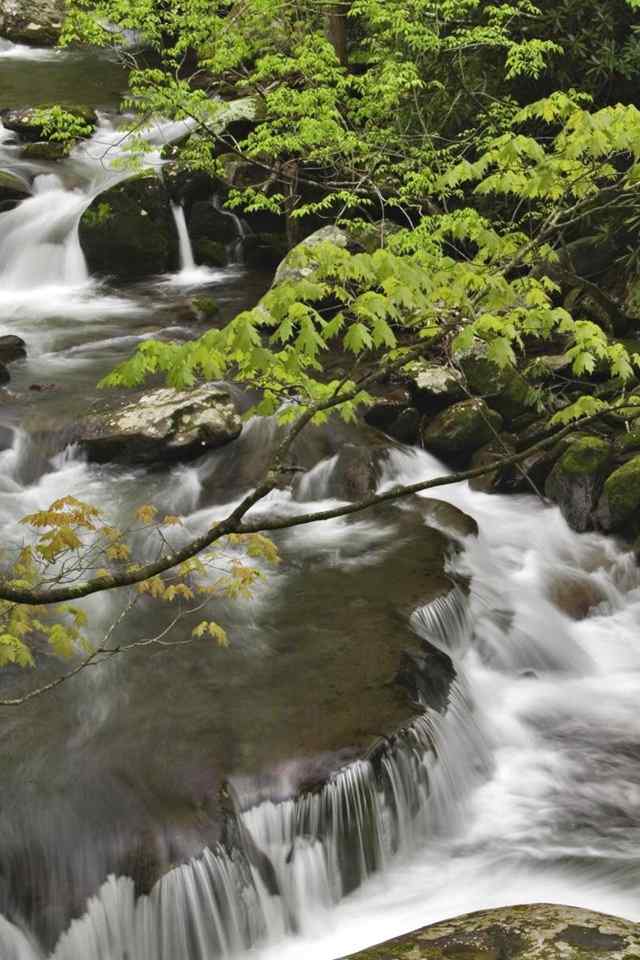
39 241
187 262
297 858
235 249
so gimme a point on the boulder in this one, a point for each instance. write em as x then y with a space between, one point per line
207 222
394 414
27 124
500 479
619 506
46 150
457 432
576 594
434 386
447 517
128 231
160 427
13 189
503 388
355 473
31 21
576 480
12 348
538 931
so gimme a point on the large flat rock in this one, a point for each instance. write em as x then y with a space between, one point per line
538 931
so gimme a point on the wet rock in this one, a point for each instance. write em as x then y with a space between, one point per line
12 190
46 150
530 932
128 231
576 480
434 386
500 479
12 348
445 516
427 676
457 432
395 415
27 122
619 506
31 21
356 473
575 594
4 375
264 250
503 388
208 224
160 427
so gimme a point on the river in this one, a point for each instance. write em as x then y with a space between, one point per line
526 788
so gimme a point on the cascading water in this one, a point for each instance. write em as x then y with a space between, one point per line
525 788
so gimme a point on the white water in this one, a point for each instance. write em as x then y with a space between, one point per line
533 790
190 274
532 793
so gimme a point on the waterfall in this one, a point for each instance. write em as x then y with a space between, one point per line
39 241
235 249
319 847
187 263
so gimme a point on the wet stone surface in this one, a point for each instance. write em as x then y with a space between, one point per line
528 932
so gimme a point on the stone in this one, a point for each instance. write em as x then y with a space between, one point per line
575 594
457 432
434 386
12 348
576 480
25 122
500 479
46 150
13 190
160 427
355 474
207 222
38 22
538 931
292 269
619 506
128 231
447 517
503 388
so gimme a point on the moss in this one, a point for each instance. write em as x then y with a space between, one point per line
206 306
587 456
529 932
210 252
461 429
504 388
621 499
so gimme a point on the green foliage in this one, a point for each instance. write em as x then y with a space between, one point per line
61 125
72 539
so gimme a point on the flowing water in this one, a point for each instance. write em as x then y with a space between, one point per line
527 787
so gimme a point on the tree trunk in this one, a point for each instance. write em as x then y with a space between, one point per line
336 28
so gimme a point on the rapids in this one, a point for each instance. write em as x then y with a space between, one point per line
526 788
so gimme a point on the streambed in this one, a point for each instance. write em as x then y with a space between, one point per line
331 832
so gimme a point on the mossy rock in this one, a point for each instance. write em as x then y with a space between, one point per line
576 480
457 432
528 932
500 479
211 253
619 506
46 150
128 232
27 122
504 388
434 386
206 307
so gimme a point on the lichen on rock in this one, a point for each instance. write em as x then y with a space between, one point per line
165 425
527 932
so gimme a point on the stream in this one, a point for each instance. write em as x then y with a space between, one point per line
526 788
